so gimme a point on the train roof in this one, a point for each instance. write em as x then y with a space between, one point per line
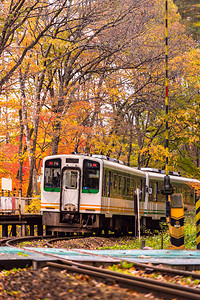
174 176
114 164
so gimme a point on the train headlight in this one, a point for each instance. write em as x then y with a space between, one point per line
70 207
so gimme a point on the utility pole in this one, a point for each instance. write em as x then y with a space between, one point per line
168 190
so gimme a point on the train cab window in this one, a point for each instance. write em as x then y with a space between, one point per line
52 170
91 175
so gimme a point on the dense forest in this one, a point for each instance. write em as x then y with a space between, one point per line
190 13
90 75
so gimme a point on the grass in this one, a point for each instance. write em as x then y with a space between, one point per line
154 240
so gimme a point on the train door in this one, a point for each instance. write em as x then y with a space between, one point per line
107 190
70 189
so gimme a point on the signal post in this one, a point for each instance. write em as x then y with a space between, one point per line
197 204
174 209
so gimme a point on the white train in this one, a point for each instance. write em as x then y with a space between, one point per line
83 193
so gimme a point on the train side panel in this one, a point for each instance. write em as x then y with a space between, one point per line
83 193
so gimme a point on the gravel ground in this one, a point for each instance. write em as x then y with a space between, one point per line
89 243
92 242
47 285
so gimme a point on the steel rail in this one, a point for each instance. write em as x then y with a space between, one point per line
4 241
48 243
148 268
166 270
11 241
134 282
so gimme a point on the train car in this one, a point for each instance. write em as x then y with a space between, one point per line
153 208
91 193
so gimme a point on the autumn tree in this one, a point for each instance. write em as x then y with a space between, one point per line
185 112
138 105
90 75
83 42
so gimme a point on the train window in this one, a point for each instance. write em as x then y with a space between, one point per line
124 186
185 194
142 188
109 183
120 185
105 184
70 179
161 198
132 188
128 187
188 195
175 188
192 197
156 192
52 170
91 174
153 191
179 189
115 185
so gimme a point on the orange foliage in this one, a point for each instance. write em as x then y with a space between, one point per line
9 165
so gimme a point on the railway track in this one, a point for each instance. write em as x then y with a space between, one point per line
49 240
145 285
140 284
10 241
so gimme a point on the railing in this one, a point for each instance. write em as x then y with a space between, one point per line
19 205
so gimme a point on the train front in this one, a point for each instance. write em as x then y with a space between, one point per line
71 193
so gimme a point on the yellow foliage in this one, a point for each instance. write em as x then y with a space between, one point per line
34 206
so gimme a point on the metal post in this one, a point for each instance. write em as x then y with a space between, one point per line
20 204
138 211
32 229
14 230
23 229
168 189
198 222
5 230
166 96
40 229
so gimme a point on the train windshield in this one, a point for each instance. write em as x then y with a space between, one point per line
91 173
52 175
